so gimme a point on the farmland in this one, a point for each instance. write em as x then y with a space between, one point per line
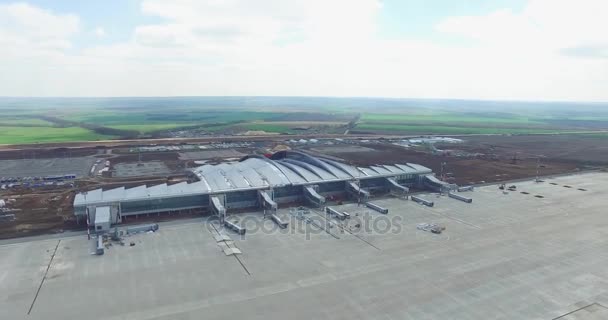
441 122
24 122
150 127
438 129
43 134
30 121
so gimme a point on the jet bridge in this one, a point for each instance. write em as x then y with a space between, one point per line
313 197
266 201
357 191
432 183
396 186
217 207
282 224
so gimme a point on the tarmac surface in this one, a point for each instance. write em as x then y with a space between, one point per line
79 166
141 169
210 154
504 256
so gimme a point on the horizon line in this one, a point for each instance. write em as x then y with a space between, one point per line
311 97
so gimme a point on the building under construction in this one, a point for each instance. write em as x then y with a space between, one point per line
256 181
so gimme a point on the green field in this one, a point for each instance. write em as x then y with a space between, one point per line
442 122
592 135
38 120
177 117
24 128
14 122
19 135
418 129
152 127
444 117
268 127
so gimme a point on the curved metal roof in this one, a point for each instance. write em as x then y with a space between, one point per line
293 176
307 175
319 172
254 173
293 168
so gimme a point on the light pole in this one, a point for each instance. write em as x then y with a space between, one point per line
358 187
86 210
538 169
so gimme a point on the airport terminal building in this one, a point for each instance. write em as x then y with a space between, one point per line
256 181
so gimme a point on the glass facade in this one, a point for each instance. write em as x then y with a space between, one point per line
406 179
374 183
248 198
241 196
332 186
161 205
288 191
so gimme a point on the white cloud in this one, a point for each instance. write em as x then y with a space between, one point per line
261 22
543 24
100 32
25 29
543 51
32 40
323 47
35 22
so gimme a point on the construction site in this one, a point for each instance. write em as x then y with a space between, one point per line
39 184
324 225
256 181
529 252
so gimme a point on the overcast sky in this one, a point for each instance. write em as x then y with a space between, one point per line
487 49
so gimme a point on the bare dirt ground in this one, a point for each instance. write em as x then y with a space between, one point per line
499 158
51 211
39 213
582 149
491 167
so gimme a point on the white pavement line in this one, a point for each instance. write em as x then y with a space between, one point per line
228 245
44 277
